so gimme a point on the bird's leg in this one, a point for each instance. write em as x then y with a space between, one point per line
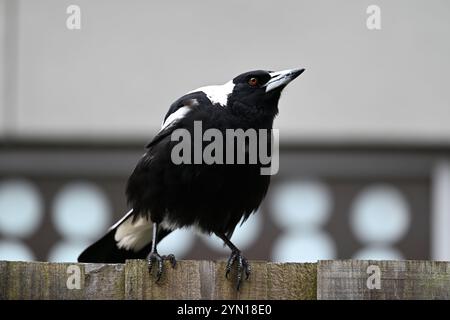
154 256
236 256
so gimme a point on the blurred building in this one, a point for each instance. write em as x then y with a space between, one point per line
364 132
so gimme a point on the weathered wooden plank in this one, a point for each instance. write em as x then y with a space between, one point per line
206 280
193 280
181 282
357 279
104 281
253 288
292 281
43 280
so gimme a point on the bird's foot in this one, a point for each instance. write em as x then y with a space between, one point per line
242 266
155 257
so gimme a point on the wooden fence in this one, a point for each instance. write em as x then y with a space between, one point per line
337 279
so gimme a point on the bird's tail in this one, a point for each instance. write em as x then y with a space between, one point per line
127 239
106 250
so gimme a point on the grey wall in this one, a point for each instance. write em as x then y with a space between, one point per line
2 67
115 78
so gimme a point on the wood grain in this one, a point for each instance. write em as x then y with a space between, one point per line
337 279
189 280
43 281
349 279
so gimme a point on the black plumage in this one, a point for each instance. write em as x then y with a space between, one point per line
211 197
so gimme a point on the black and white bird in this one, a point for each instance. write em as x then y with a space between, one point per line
212 198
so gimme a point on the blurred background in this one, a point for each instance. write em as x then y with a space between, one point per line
364 132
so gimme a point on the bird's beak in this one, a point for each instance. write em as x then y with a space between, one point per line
280 79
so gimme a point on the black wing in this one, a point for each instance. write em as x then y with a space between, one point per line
177 111
144 193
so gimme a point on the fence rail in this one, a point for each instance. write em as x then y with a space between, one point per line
331 279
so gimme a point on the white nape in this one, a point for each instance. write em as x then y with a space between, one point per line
217 94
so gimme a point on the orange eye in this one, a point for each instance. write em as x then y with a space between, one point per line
253 82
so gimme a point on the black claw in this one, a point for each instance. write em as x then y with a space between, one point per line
171 259
160 269
247 269
154 256
242 266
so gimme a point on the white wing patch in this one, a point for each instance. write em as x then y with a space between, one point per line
217 94
180 113
133 235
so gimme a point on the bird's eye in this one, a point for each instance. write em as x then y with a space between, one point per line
253 82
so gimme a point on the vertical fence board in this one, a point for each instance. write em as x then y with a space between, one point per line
43 280
292 281
357 279
181 282
340 279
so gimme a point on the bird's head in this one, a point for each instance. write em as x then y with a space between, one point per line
252 92
257 88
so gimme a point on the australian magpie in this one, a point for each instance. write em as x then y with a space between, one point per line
212 198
